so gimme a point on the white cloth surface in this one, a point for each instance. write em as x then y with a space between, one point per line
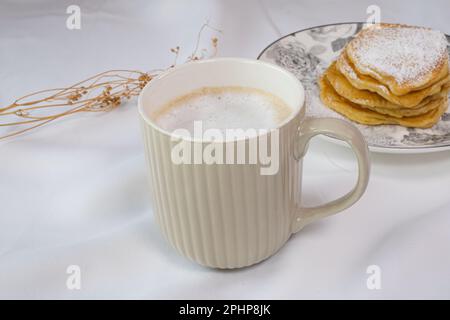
75 192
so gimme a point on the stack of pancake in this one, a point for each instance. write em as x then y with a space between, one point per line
390 74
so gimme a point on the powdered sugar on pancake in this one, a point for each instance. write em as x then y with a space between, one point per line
348 69
408 54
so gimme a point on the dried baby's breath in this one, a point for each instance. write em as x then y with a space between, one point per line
99 93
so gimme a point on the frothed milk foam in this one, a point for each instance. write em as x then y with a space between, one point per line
223 108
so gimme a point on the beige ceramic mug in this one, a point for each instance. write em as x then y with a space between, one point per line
231 215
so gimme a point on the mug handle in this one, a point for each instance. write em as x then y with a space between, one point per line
343 130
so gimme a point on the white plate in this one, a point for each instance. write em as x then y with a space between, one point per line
307 53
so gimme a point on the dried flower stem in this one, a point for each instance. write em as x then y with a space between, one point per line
102 92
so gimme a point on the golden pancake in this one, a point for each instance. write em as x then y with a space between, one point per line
364 82
402 113
373 101
361 115
404 58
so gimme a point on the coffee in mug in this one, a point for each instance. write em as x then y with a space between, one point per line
223 108
224 213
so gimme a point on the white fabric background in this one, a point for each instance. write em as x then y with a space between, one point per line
75 192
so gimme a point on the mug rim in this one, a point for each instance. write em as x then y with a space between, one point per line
174 69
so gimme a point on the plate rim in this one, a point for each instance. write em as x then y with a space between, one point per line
374 148
303 30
